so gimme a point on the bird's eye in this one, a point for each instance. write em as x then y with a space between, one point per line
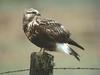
31 12
34 12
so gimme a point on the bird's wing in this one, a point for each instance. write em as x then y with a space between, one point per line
53 29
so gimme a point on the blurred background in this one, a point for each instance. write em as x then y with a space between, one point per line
81 17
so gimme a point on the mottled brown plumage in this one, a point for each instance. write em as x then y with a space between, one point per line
46 33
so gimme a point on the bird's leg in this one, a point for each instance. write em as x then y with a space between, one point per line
44 50
40 49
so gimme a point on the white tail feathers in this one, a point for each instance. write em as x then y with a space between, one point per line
63 47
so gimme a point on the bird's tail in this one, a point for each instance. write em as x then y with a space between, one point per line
63 47
72 42
76 55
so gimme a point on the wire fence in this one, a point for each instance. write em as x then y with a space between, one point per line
77 68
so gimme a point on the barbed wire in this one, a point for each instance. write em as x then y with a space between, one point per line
64 68
14 71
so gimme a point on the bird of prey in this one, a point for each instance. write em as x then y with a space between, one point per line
48 34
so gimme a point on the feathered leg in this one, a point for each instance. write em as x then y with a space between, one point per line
40 50
44 50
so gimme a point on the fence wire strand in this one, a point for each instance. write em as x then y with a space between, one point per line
77 68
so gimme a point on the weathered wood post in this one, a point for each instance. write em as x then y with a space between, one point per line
41 63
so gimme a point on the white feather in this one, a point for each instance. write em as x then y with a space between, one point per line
63 47
32 23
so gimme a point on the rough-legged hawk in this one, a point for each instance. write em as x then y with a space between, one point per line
47 33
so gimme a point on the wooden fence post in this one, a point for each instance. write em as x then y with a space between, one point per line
41 63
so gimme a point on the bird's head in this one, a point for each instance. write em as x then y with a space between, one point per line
31 13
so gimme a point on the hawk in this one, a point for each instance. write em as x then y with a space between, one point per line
48 34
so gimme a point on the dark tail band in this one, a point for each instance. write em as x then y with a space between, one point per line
74 54
72 42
